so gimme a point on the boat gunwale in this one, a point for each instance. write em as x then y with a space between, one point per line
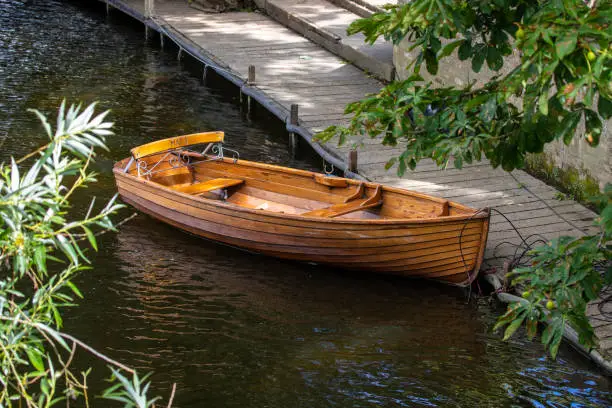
476 214
471 233
367 229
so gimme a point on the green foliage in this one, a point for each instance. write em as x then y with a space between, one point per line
560 75
131 393
565 275
41 251
541 99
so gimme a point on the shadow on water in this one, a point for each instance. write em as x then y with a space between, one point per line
233 328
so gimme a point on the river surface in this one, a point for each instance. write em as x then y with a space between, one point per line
234 329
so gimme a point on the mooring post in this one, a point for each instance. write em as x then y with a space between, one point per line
148 13
293 120
149 7
251 82
161 40
204 72
352 161
251 79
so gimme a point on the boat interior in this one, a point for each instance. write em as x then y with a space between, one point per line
282 190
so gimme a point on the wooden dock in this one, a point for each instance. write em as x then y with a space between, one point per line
290 69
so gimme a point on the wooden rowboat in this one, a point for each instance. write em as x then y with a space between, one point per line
301 215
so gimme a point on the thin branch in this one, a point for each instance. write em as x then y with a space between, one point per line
67 363
24 393
172 395
104 231
81 178
85 395
85 346
27 156
42 328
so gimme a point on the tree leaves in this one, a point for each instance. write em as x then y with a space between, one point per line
567 127
593 126
514 325
480 53
34 231
431 61
553 334
563 270
541 98
488 109
604 106
449 48
494 59
566 44
34 355
465 50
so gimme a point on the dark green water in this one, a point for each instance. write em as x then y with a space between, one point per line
230 328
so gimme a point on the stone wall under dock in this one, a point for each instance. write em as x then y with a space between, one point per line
577 168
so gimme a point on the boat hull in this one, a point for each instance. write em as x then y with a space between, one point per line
449 251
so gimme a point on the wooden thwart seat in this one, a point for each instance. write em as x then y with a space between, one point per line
206 186
337 210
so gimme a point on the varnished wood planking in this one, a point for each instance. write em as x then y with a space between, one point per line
377 243
345 236
265 249
159 146
281 240
451 222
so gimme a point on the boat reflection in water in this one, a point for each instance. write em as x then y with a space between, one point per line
287 328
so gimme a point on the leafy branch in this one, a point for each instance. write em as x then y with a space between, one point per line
35 355
565 275
563 76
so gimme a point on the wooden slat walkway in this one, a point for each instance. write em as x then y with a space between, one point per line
291 69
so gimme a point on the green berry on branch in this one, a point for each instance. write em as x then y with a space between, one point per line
591 56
